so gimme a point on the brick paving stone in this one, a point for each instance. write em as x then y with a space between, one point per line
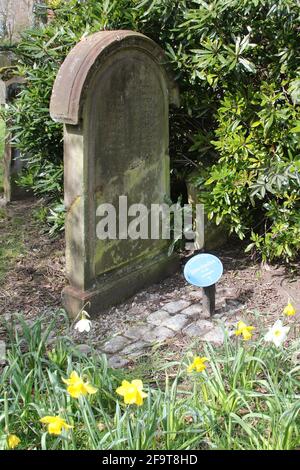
216 336
84 349
175 307
198 328
156 318
115 345
159 334
135 349
194 310
117 362
137 332
176 323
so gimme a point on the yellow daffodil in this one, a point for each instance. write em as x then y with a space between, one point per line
245 330
77 387
13 441
55 424
289 310
132 392
198 364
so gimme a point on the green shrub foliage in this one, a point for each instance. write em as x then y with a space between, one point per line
237 63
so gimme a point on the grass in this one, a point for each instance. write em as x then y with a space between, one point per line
247 398
11 241
11 244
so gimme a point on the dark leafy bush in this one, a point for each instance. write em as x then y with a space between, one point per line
237 63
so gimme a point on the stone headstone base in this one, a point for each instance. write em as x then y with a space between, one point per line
112 289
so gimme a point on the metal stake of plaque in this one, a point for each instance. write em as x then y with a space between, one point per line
204 271
209 299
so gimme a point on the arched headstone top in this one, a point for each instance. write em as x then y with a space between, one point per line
78 68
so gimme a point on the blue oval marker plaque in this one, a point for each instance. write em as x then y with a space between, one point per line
203 270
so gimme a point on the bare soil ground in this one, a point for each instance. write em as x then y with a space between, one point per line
32 264
32 277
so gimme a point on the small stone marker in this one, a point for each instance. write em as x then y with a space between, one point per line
113 93
204 271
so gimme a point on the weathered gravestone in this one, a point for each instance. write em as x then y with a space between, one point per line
2 93
112 93
12 161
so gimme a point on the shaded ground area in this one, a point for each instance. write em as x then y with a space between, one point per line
32 277
31 263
